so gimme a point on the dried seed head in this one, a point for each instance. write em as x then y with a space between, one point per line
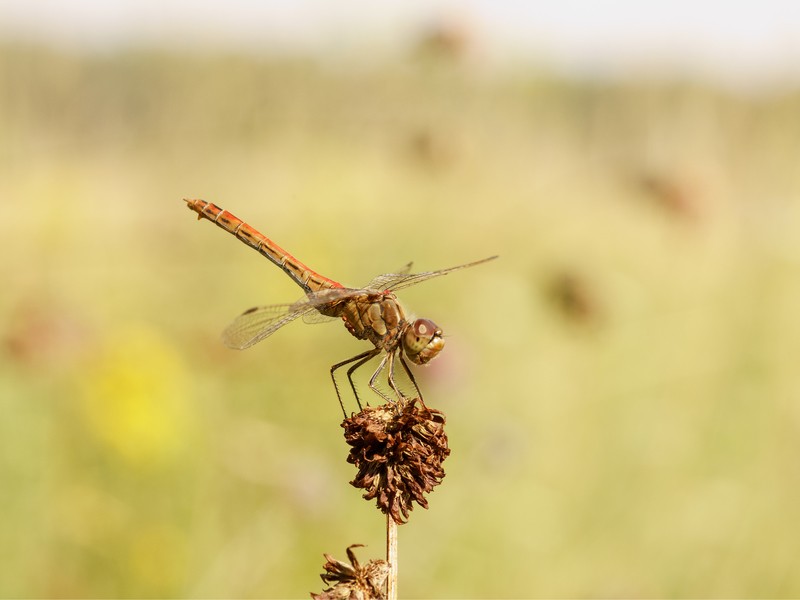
399 450
354 582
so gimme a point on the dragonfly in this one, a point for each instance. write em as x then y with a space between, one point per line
370 313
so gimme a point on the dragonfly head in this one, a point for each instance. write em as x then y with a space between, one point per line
422 341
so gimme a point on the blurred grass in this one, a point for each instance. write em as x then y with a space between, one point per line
621 386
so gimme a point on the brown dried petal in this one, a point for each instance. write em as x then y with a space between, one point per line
398 450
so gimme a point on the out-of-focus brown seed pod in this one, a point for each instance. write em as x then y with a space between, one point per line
575 297
450 39
675 195
398 450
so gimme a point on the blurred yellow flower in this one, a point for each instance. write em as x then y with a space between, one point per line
134 397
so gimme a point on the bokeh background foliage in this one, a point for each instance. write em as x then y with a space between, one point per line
621 386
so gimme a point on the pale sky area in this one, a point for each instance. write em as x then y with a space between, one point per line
733 39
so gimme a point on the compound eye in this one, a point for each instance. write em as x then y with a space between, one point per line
424 329
419 335
423 341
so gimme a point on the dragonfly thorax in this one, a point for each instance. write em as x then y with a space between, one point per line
422 340
373 316
379 318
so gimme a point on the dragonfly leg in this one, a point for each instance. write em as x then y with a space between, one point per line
361 358
369 355
391 377
375 376
411 377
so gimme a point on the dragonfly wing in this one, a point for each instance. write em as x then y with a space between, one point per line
381 281
398 281
315 316
406 269
260 322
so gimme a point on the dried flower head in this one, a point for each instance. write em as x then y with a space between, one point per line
399 450
354 582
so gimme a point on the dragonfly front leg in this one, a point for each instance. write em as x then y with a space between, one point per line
391 377
361 358
377 372
411 377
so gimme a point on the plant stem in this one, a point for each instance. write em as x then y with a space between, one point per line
391 557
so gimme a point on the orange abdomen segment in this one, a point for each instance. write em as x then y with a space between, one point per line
305 277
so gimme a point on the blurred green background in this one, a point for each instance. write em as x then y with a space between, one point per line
621 386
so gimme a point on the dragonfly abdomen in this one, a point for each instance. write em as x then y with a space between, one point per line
306 278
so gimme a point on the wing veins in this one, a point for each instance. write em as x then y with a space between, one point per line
399 281
259 323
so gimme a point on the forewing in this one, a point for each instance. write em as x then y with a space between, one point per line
381 282
397 281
